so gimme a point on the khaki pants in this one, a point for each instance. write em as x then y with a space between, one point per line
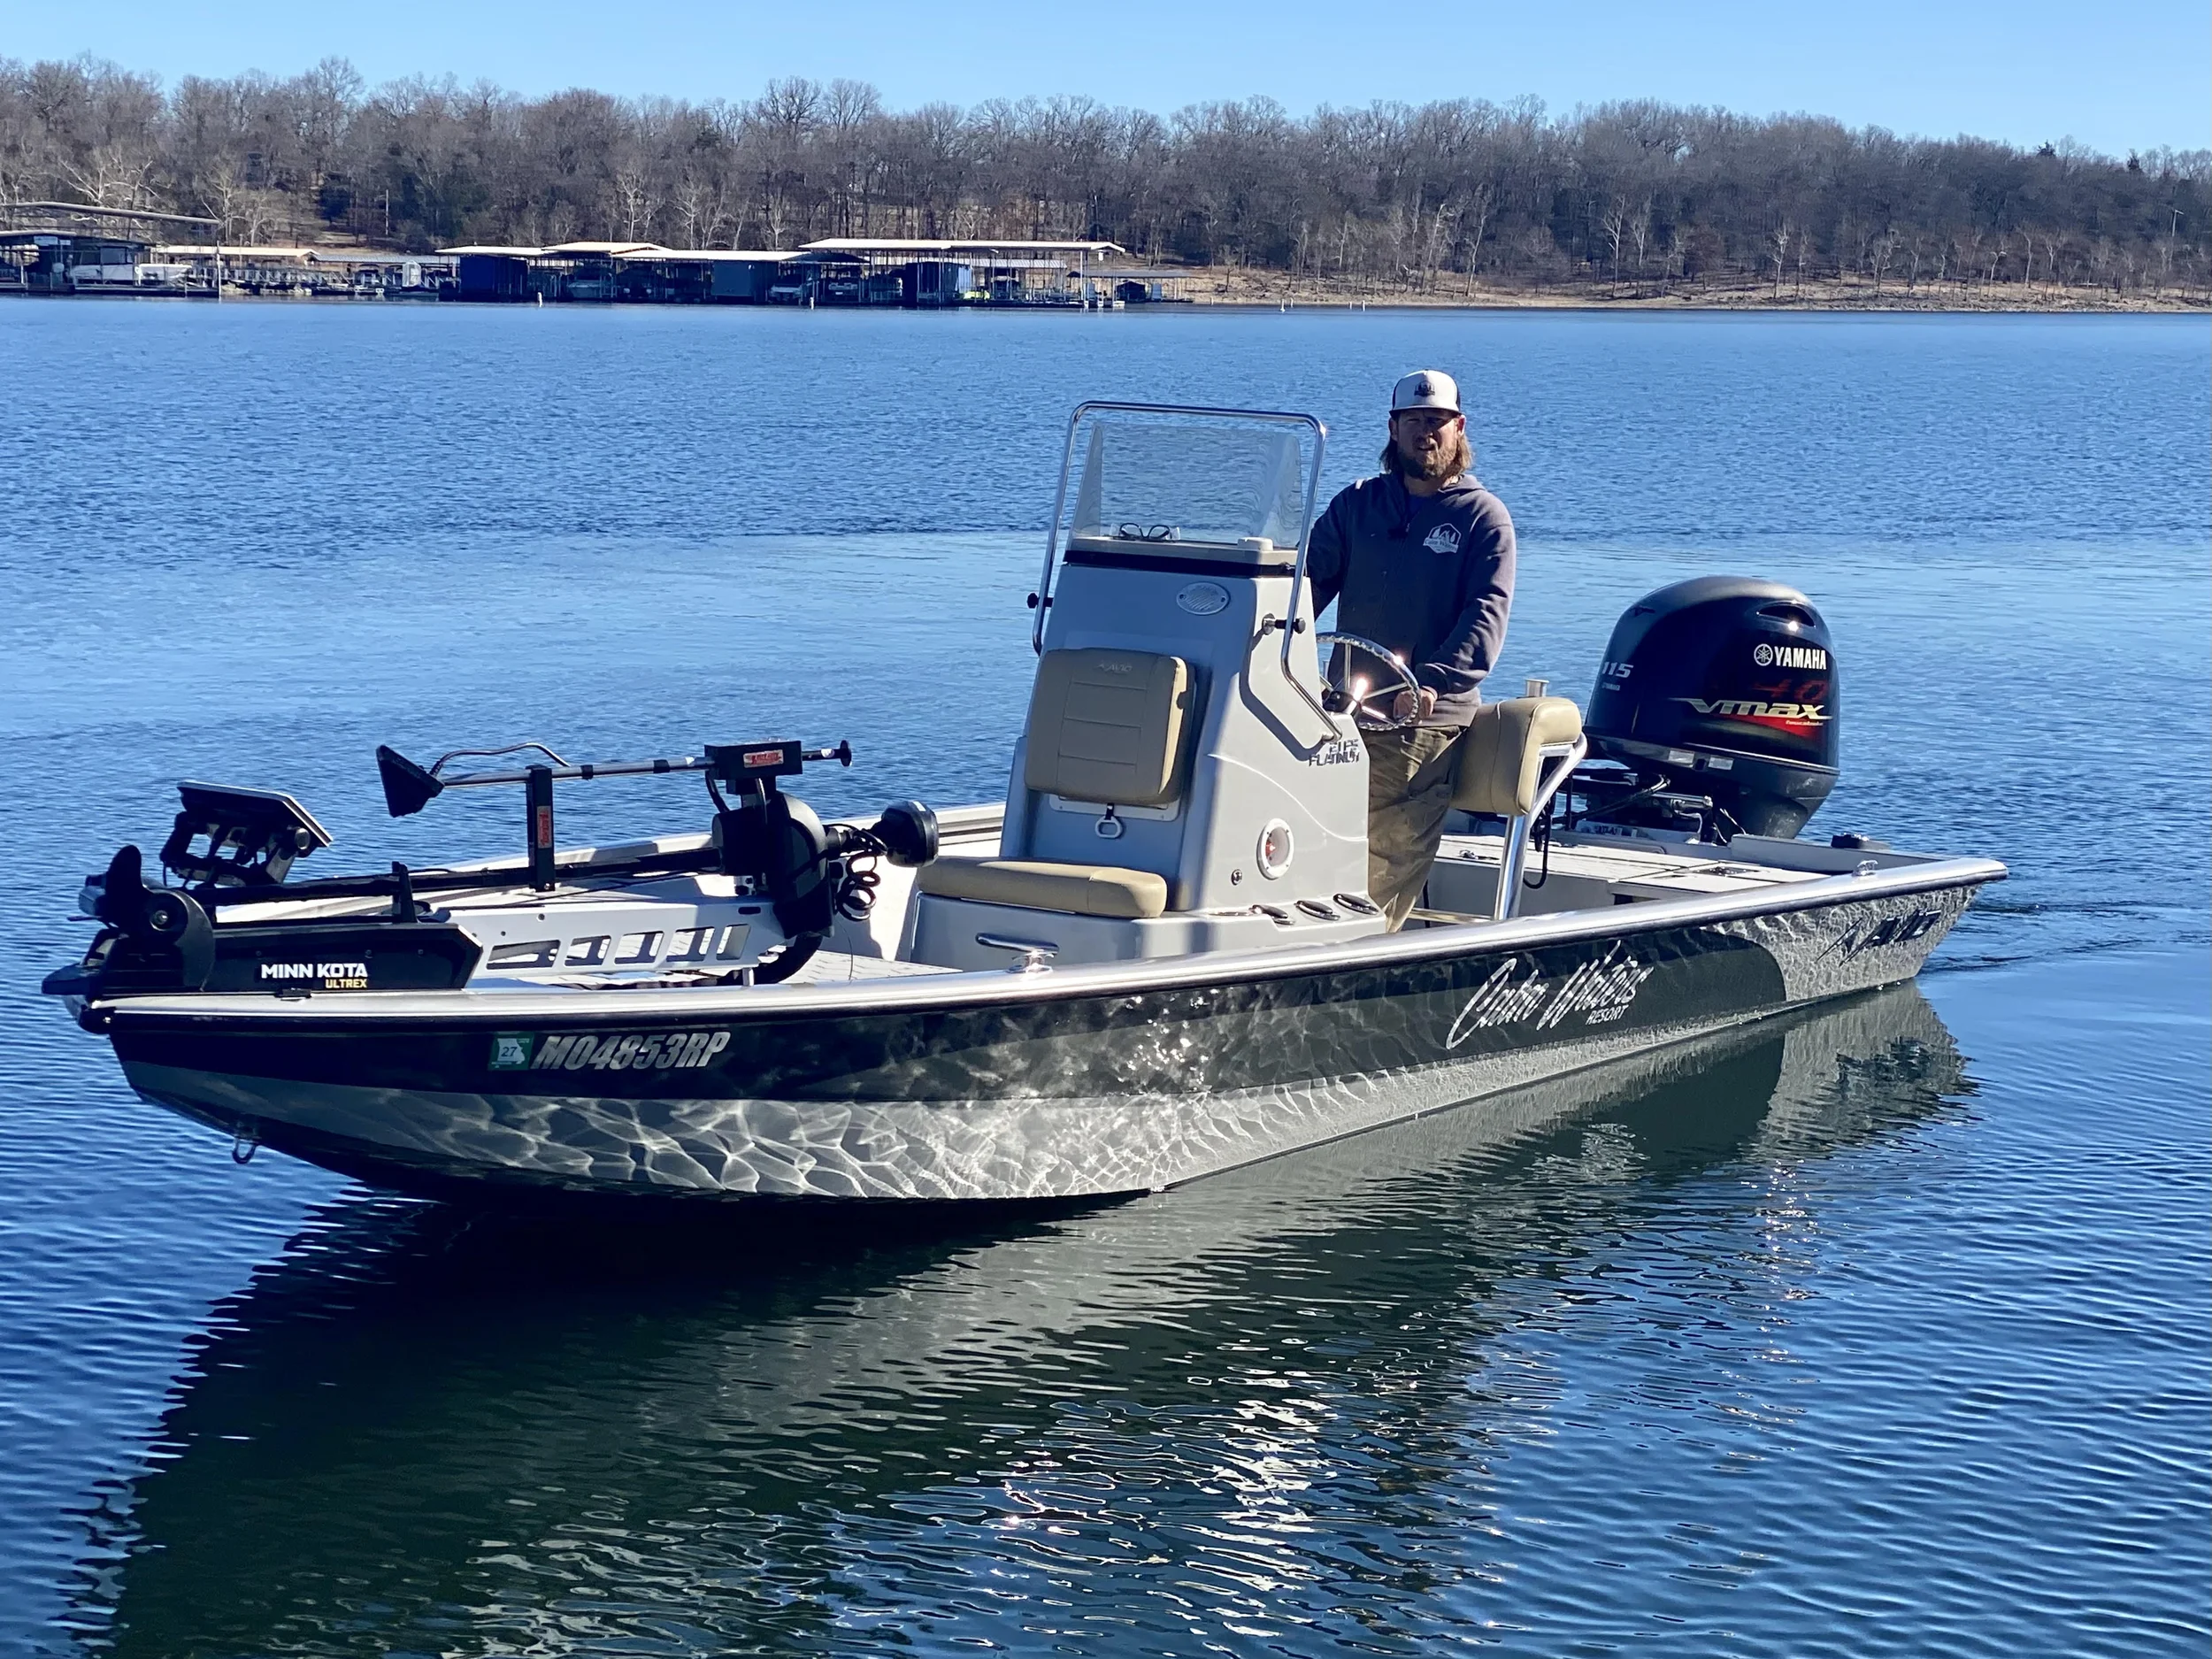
1408 791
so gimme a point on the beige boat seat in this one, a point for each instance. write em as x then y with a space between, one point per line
1106 726
1501 759
1084 889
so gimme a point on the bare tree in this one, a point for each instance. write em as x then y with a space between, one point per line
1380 195
634 201
1616 223
1639 229
1474 222
1966 247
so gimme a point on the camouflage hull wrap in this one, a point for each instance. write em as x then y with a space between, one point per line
1090 1081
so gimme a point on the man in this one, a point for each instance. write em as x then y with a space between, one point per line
1420 559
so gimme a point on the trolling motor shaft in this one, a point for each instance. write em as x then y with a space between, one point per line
749 768
234 847
409 788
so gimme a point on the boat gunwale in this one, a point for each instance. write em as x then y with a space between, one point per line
986 987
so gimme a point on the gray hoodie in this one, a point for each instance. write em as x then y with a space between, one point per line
1429 576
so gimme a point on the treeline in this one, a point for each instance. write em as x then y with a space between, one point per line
1635 198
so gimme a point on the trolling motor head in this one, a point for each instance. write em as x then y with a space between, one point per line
813 873
907 832
155 937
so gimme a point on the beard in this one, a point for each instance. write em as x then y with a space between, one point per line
1446 459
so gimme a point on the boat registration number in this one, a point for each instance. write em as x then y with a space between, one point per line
616 1051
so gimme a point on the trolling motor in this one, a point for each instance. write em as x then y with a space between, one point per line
810 873
232 846
409 788
813 873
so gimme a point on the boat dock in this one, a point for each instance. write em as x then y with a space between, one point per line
914 275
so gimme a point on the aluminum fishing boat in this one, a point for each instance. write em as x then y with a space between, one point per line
1156 960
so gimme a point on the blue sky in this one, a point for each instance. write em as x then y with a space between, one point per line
2133 77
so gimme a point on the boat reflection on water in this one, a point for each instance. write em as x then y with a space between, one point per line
420 1431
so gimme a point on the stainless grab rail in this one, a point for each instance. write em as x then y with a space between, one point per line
1290 624
1513 851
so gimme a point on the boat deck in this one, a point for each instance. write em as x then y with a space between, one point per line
838 967
1585 872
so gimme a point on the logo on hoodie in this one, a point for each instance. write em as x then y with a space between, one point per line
1443 539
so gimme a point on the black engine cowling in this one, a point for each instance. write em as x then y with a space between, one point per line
1724 686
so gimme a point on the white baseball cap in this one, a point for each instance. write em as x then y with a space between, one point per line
1426 388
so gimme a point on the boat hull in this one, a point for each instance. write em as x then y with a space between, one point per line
1039 1087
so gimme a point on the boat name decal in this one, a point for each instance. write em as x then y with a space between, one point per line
1343 752
1508 994
1601 991
333 976
1810 713
617 1051
1888 930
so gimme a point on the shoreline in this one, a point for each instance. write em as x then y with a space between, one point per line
1251 290
1247 291
1948 305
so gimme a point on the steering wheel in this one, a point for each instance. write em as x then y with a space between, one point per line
1369 705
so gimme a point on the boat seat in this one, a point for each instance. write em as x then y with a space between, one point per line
1107 725
1501 759
1083 889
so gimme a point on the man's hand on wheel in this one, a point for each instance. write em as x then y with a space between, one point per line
1405 704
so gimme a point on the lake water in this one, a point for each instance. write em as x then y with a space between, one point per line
1886 1332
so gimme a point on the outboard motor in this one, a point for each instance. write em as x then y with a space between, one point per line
1722 687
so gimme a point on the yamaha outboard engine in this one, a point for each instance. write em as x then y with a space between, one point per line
1722 687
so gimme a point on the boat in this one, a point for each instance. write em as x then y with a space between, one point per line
1154 961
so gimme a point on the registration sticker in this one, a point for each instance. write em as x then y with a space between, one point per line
511 1051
